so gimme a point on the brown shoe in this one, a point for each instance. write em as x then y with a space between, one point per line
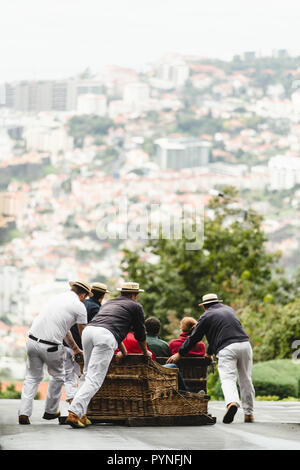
85 420
23 419
51 416
74 421
249 418
230 413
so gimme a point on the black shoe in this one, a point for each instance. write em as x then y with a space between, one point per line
23 419
231 411
51 416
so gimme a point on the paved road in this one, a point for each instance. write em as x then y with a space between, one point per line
276 428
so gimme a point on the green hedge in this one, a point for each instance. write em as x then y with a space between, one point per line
280 377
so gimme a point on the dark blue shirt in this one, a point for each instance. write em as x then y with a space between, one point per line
92 307
221 327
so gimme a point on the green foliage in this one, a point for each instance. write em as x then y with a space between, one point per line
49 169
81 126
214 389
278 377
272 380
233 262
267 398
10 392
188 124
283 331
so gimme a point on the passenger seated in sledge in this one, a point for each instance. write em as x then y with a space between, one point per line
132 347
187 325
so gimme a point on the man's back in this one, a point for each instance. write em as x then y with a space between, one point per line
158 346
58 316
119 315
92 307
221 327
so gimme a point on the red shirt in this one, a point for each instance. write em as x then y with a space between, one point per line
133 347
174 345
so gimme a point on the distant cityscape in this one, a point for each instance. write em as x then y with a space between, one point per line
69 149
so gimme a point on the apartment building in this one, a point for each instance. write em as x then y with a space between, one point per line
182 152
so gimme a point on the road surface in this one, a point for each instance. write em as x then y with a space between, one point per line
276 427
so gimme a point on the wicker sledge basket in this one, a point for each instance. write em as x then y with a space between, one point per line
141 392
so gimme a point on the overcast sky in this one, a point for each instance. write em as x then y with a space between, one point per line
59 38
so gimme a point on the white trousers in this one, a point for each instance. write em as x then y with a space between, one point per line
237 357
37 357
99 345
72 373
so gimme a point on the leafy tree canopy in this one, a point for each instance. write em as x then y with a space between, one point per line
233 262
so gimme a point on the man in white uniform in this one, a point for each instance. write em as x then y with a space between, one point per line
72 368
45 346
100 339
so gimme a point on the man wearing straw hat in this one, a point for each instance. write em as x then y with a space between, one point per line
72 368
229 342
102 336
45 346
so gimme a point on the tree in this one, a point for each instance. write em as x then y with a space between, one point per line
233 262
81 126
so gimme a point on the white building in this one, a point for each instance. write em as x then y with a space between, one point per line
92 104
284 172
296 100
136 95
48 140
10 286
177 153
176 72
6 144
118 108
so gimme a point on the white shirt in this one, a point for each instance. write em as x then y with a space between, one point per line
58 316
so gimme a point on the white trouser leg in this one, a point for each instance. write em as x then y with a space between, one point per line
244 365
56 370
71 374
33 377
227 363
99 346
237 356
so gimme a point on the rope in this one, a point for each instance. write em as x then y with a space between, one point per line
178 393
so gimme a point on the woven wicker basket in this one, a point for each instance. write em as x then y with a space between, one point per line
139 387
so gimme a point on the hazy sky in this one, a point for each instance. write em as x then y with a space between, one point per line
58 38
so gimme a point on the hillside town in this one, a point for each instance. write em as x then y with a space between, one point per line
73 151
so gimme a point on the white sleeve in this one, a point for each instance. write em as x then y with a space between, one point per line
81 314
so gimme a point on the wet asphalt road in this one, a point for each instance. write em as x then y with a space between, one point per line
276 427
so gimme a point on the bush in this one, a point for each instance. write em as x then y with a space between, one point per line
214 389
278 378
267 398
10 392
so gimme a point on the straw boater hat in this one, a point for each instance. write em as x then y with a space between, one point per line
84 285
209 299
130 287
99 287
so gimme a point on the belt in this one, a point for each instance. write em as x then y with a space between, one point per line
42 341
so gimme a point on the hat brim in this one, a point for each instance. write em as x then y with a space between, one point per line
89 293
211 302
100 291
130 290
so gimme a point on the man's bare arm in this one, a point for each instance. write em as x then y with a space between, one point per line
70 341
143 346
